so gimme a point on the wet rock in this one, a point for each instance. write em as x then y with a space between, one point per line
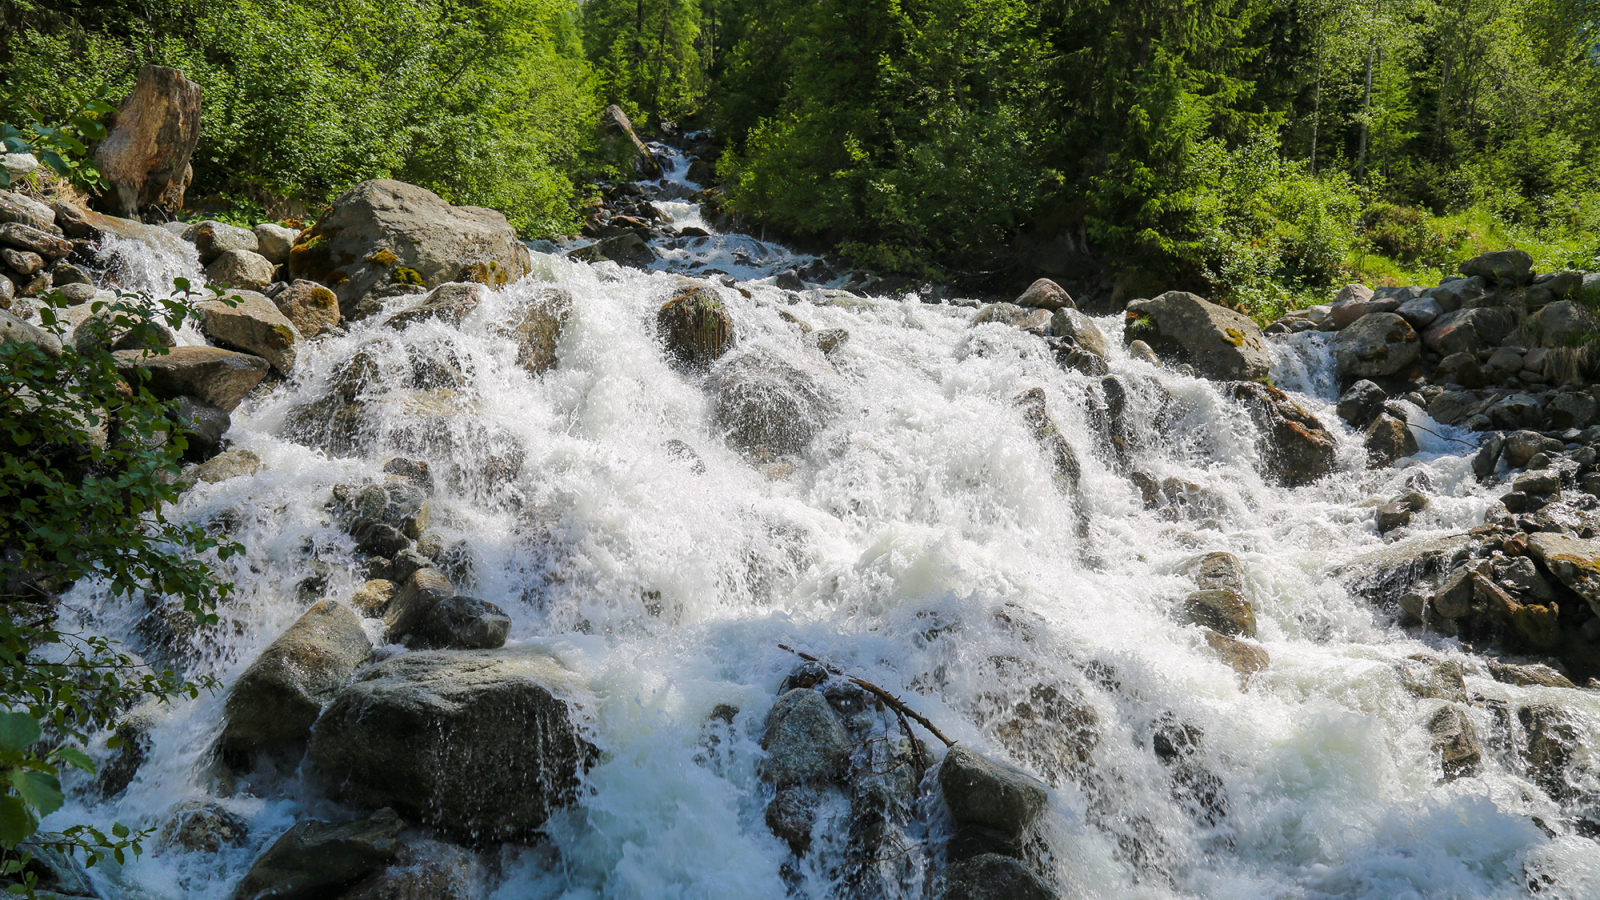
792 815
1361 403
1379 345
479 744
276 700
25 210
1045 294
461 623
1528 675
423 870
1543 481
1572 410
1081 330
451 303
133 730
1034 321
991 876
1564 324
372 598
695 326
1552 739
1421 312
766 404
1065 469
203 826
1434 679
211 239
1391 516
1245 658
1455 743
396 502
1218 571
1511 268
220 378
1574 560
413 600
538 329
804 740
383 232
254 325
1219 343
830 340
1141 351
1295 448
311 308
313 858
1454 407
223 466
145 157
1388 439
990 794
22 262
1223 610
274 241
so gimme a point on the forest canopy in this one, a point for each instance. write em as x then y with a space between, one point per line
1260 151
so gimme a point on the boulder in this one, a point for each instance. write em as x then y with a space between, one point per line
382 231
112 329
423 870
1245 657
220 378
1379 345
990 794
413 600
311 308
232 464
450 303
1218 571
461 623
22 262
1468 330
792 815
34 240
695 326
1046 294
25 210
274 703
1574 560
479 744
274 241
1421 312
372 598
1222 610
1522 446
241 269
991 876
1361 403
1074 326
538 328
1295 448
204 426
1388 439
804 740
1507 268
203 826
1034 321
1571 409
1529 675
253 324
313 859
1553 741
1563 324
1453 407
211 239
1219 343
1455 743
766 404
145 156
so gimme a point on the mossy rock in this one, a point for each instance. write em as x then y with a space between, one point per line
695 326
488 272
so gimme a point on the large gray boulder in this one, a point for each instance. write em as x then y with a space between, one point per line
767 404
384 231
1562 324
1510 268
1081 330
275 701
1468 330
311 308
990 794
1295 448
804 740
991 876
25 210
211 239
313 859
221 378
1219 343
461 623
1378 345
413 600
274 241
241 269
479 744
253 324
1046 294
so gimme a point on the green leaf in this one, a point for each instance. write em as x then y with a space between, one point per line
119 830
76 758
42 791
17 823
18 731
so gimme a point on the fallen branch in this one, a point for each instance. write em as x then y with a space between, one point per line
894 702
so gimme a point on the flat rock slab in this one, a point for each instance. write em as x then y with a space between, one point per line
221 378
1573 560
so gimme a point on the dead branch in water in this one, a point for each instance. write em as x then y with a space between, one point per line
894 702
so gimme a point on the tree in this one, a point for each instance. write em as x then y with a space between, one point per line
87 470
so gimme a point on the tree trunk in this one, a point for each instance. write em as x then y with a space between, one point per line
1366 118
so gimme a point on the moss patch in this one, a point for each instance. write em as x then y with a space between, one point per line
403 275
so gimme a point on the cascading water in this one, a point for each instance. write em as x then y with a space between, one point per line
919 541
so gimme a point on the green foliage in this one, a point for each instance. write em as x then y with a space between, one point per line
650 54
88 467
485 102
65 147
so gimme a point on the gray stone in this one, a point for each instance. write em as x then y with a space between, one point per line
65 273
1455 743
1388 439
1361 403
311 308
1520 446
1544 481
537 329
204 426
804 740
221 378
232 464
1529 675
1505 360
1033 321
1295 448
23 262
34 240
212 239
1046 294
792 815
1576 561
14 330
203 826
1421 312
1467 330
241 269
253 324
990 876
461 623
451 302
275 701
1553 741
1564 324
1218 342
1453 407
313 858
1511 268
1225 611
1080 329
25 210
981 791
768 404
273 241
1244 657
413 600
479 744
1378 345
423 870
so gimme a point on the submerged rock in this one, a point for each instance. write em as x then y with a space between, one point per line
1455 743
990 794
804 740
1223 610
538 329
695 326
461 623
479 744
423 870
768 405
1245 658
204 826
313 858
990 876
1295 448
